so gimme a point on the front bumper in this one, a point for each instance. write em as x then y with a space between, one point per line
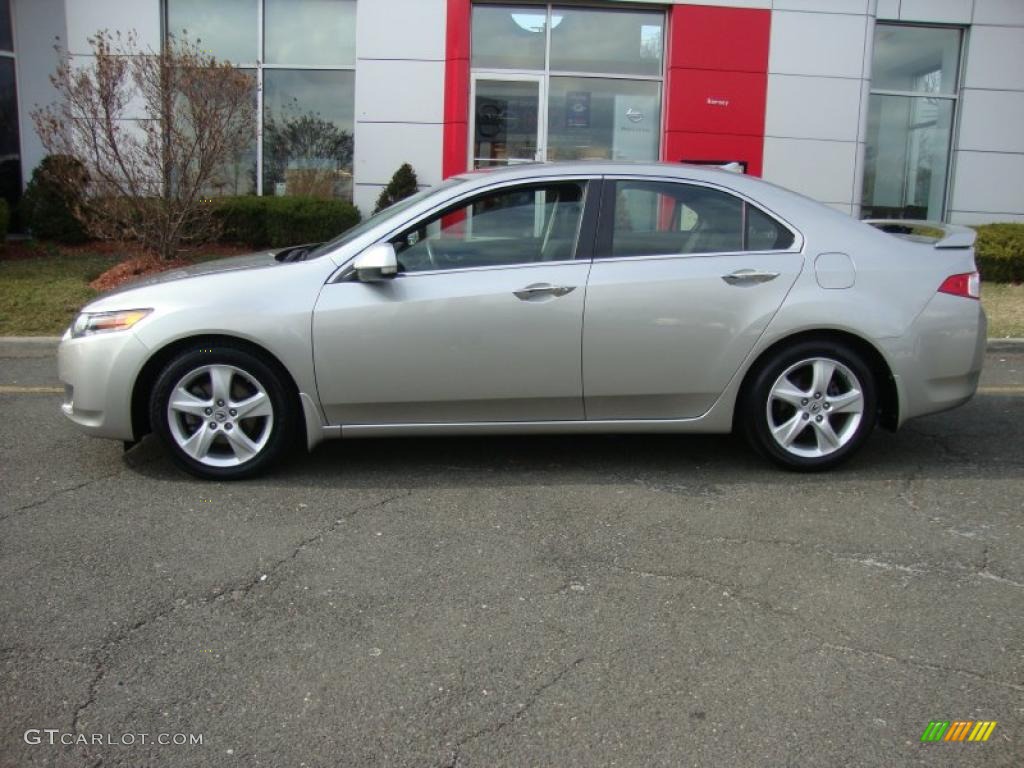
98 373
937 364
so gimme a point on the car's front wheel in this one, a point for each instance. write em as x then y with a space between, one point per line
810 406
222 412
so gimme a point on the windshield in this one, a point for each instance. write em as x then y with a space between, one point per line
366 225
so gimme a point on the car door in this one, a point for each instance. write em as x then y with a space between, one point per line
685 279
482 323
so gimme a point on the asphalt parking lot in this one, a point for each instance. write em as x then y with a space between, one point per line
562 601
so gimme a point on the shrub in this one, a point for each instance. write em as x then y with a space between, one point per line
48 205
402 184
281 221
242 220
999 252
5 218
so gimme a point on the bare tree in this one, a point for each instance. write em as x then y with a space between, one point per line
155 133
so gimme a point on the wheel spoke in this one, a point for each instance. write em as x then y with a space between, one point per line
240 443
198 444
184 401
848 402
827 438
823 372
257 405
220 382
788 431
788 392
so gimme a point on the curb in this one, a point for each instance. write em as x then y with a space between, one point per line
40 340
994 345
1005 345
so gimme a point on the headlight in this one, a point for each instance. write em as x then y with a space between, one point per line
89 323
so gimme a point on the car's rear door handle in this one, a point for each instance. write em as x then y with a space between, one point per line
543 289
749 277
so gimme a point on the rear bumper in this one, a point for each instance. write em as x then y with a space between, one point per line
98 373
938 362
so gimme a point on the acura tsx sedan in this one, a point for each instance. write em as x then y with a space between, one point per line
594 297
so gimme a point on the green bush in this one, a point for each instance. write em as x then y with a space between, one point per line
46 206
999 252
5 219
280 221
402 184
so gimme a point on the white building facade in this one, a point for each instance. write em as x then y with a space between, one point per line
894 108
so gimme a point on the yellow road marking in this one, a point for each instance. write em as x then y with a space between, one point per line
1001 390
10 390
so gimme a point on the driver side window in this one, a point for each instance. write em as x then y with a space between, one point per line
517 225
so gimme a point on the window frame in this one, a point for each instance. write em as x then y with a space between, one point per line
606 224
546 73
582 248
584 241
259 65
953 98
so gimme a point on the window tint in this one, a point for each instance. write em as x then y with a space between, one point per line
226 29
509 37
661 218
764 233
521 225
613 41
310 32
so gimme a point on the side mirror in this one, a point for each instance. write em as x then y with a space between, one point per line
376 264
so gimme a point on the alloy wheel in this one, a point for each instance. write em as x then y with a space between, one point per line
220 415
815 407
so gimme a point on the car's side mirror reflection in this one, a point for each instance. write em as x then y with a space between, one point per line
376 264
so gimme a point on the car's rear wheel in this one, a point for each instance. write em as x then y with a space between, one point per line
810 406
222 412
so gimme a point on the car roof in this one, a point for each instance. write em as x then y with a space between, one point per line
601 167
776 198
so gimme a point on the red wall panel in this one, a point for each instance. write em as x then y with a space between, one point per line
456 88
706 37
717 84
720 147
710 101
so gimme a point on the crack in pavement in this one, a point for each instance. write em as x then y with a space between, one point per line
516 716
920 664
78 486
11 652
873 559
243 586
732 591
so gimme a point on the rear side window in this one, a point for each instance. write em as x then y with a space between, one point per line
764 233
653 218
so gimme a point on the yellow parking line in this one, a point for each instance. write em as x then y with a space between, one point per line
1001 390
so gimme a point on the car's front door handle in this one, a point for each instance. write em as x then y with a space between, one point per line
543 289
749 277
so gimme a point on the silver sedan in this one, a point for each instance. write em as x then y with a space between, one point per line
596 297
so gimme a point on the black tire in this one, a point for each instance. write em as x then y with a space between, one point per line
282 424
757 406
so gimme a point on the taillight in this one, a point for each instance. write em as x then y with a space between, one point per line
967 285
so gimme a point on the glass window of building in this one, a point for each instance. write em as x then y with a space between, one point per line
577 83
303 53
915 75
10 141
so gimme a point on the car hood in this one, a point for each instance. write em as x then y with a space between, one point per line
257 260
